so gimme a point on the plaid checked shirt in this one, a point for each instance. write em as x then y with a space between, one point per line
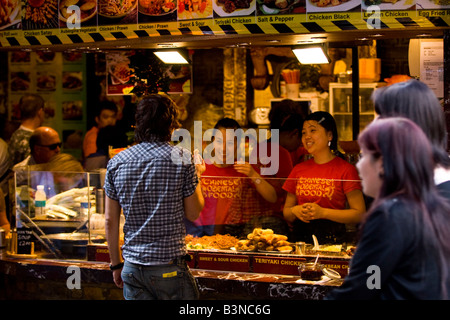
150 188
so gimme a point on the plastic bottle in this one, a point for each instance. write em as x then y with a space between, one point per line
39 200
84 207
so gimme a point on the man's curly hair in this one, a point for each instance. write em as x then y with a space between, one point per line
156 118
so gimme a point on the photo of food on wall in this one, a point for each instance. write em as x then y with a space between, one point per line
46 81
72 81
229 8
280 6
72 110
195 9
116 12
157 10
88 12
389 4
10 16
40 14
333 5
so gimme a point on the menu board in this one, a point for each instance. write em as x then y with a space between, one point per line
432 65
46 22
60 79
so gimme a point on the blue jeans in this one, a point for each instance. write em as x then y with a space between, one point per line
161 282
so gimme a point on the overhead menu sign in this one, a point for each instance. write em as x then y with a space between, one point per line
47 22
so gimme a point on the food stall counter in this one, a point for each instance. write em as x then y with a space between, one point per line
43 279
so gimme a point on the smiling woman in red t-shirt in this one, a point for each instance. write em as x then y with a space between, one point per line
324 193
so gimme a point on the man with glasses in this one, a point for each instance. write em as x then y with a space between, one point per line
44 144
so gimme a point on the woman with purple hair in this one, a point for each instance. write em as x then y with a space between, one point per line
404 246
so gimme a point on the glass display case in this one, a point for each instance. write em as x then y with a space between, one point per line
64 221
341 107
238 230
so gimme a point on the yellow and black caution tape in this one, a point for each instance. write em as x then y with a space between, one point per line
267 25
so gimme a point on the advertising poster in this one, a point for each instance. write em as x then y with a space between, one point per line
119 73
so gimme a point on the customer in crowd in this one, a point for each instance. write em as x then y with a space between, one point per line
106 116
324 193
235 194
414 100
4 223
5 162
32 116
404 249
44 144
155 193
109 136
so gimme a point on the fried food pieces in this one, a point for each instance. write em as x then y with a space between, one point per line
264 240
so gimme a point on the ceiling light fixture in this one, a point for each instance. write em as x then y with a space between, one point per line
171 57
314 54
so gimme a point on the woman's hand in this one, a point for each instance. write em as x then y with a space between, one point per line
245 168
308 211
200 165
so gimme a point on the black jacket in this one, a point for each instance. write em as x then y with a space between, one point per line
391 261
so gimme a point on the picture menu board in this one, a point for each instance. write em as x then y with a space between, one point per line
46 22
60 79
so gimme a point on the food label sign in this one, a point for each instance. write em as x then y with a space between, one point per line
24 241
276 265
229 262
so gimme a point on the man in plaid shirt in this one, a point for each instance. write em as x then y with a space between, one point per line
155 193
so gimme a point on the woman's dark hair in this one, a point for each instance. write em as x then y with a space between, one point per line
156 118
408 173
326 120
287 115
414 100
227 123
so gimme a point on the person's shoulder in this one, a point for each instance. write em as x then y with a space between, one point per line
344 164
22 165
19 134
304 164
92 131
395 208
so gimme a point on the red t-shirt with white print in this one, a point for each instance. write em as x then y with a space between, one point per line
325 184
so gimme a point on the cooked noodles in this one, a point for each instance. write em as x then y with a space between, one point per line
115 7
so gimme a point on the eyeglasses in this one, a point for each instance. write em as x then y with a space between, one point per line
52 146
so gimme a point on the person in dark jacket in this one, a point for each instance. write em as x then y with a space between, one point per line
404 248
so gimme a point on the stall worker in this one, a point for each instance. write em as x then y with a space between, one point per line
234 193
106 116
324 193
287 116
286 122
